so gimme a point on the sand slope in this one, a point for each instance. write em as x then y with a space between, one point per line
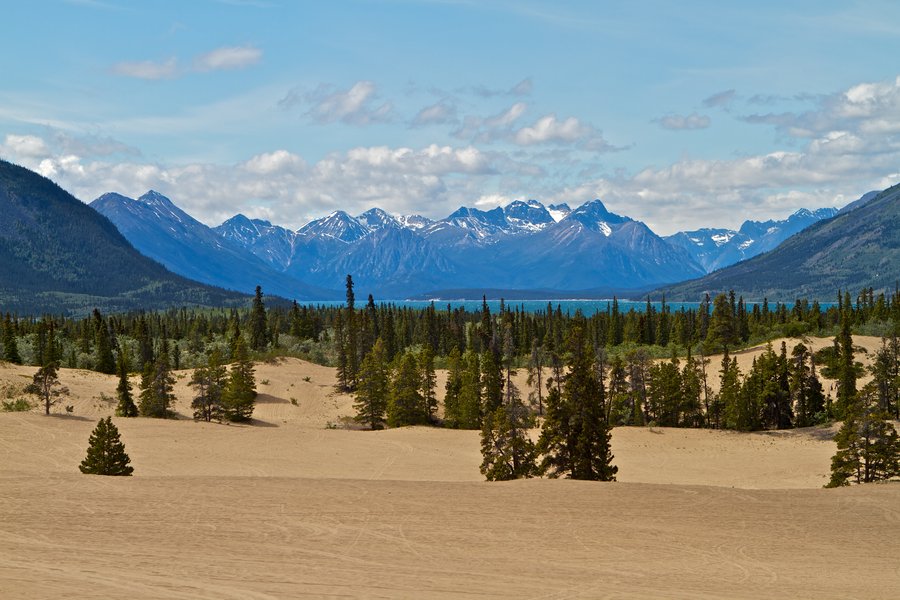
286 508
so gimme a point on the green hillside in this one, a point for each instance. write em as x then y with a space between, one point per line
59 255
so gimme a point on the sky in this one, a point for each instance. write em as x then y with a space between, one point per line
680 114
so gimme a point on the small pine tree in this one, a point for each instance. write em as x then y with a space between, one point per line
406 406
372 391
239 396
10 347
104 361
45 385
106 452
126 406
209 383
259 328
868 445
157 383
506 450
429 382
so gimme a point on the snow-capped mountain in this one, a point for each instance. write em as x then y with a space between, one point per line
718 248
157 228
524 245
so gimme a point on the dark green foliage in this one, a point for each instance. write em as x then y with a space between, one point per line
453 389
259 325
846 371
406 406
491 383
45 385
208 382
536 377
575 439
156 390
239 395
104 360
722 333
805 389
373 388
429 381
10 346
507 451
125 406
470 392
106 452
868 445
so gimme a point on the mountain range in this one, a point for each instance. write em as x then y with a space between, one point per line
524 245
857 248
57 255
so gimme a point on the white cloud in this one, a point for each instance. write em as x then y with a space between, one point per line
683 122
228 57
24 146
549 129
440 113
147 69
354 106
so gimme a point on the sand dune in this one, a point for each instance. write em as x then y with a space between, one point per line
286 508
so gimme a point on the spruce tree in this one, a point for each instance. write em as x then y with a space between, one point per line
351 336
453 389
406 406
805 389
259 325
104 360
106 452
536 376
868 447
491 383
239 395
429 381
125 406
470 404
208 382
373 388
156 390
575 439
846 368
10 347
506 450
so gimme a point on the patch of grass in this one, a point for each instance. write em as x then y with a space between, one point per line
264 382
307 379
17 405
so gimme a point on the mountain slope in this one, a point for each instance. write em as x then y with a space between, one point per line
853 250
164 232
718 248
59 255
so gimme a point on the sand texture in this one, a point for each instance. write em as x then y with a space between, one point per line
286 508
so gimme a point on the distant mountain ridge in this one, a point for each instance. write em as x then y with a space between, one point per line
855 249
718 248
522 245
57 255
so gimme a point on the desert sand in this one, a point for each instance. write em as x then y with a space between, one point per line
287 507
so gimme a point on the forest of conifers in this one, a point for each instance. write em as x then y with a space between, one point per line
650 365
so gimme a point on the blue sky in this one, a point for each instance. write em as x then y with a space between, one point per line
679 114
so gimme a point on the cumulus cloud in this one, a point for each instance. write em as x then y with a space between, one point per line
720 100
682 122
488 129
228 57
24 146
147 69
357 105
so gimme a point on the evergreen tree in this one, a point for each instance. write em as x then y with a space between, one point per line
507 451
351 336
156 390
691 413
805 388
10 347
340 348
46 386
239 395
536 376
575 437
373 388
406 406
721 332
429 381
729 413
491 383
664 397
470 403
208 382
125 406
104 360
259 327
106 452
868 445
453 389
846 368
